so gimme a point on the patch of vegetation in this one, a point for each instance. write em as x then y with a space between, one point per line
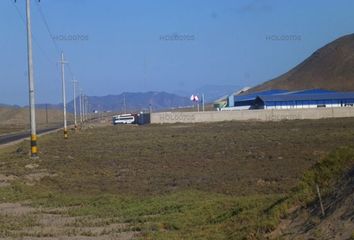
227 180
326 174
9 225
181 215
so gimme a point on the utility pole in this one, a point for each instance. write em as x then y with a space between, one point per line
74 85
83 107
198 101
63 62
87 108
124 104
34 149
46 114
203 100
80 105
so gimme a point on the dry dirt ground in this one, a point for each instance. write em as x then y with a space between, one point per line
16 119
229 164
234 157
20 220
46 223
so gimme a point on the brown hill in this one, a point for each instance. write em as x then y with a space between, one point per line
331 67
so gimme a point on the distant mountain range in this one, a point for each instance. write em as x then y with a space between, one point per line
331 67
137 101
211 92
129 101
8 106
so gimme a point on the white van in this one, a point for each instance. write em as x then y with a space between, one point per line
124 119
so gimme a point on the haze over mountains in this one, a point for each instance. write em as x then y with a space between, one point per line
137 101
128 101
8 106
331 67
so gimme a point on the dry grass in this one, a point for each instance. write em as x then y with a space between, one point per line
17 119
231 157
189 181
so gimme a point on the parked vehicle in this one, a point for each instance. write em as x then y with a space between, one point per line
143 118
124 119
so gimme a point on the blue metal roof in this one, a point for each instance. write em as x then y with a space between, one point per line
307 97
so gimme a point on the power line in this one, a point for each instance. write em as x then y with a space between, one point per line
18 12
49 31
71 71
55 44
36 42
44 19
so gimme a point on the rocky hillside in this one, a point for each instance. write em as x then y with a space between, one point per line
331 67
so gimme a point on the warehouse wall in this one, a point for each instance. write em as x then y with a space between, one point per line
302 106
244 115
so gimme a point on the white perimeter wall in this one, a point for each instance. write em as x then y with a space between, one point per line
259 115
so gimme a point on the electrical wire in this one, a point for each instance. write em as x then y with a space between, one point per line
36 42
44 19
50 33
51 36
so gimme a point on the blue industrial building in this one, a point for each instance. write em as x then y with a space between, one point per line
282 99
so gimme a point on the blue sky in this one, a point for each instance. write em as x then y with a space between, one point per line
124 46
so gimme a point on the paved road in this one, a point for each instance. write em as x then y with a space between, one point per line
8 138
